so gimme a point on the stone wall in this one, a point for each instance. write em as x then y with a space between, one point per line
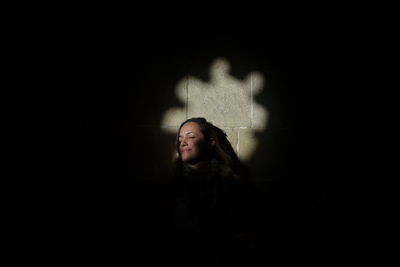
225 101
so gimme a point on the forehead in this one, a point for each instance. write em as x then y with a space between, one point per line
190 127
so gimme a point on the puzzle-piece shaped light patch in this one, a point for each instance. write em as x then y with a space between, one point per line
225 101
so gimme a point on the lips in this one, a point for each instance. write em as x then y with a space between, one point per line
185 150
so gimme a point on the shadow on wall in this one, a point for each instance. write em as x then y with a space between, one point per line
95 140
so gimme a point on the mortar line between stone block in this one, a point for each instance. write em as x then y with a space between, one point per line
237 144
251 100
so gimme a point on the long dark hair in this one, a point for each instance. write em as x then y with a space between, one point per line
223 158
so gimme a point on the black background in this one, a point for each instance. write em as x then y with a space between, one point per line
96 193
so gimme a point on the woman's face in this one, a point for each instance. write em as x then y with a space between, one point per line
192 145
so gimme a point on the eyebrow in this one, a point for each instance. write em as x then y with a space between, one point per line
187 133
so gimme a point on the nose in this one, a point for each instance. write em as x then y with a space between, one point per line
183 142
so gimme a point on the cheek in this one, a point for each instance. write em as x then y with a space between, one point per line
195 144
200 147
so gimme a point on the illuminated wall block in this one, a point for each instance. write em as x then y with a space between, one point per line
224 100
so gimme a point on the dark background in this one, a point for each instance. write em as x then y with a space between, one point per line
97 188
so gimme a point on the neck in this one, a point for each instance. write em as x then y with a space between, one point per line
201 166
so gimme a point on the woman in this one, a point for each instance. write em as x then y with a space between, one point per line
212 195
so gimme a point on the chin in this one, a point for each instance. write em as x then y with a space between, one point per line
187 159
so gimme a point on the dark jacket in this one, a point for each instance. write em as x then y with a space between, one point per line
212 214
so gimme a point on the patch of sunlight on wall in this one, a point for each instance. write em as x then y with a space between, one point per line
225 101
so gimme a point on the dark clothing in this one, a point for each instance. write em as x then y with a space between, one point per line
211 214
